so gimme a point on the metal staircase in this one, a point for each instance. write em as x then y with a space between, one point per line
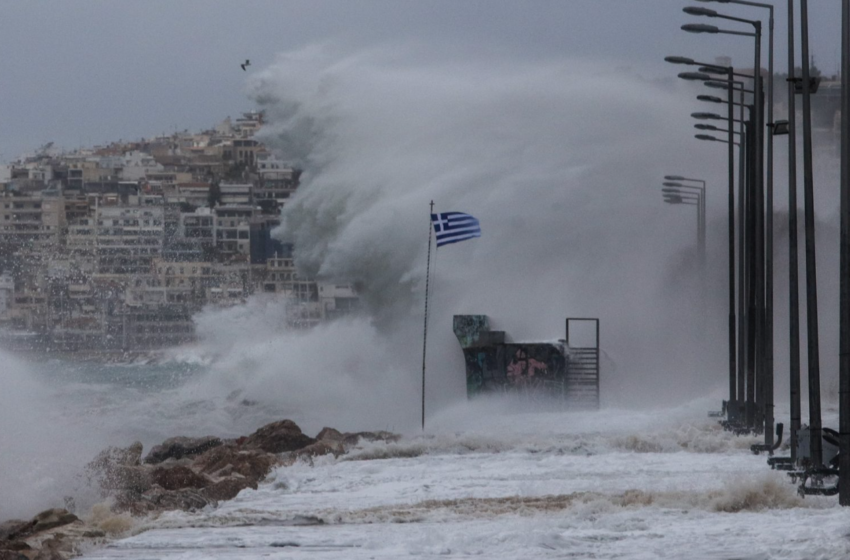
582 383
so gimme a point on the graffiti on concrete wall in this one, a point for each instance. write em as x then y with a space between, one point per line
494 365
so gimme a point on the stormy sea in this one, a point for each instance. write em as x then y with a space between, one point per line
572 225
490 479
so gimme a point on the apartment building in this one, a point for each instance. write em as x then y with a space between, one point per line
32 220
128 239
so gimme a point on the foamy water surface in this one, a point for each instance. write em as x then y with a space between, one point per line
608 484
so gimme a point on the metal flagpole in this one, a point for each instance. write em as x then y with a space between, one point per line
425 330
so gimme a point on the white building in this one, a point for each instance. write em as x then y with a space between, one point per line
128 238
7 292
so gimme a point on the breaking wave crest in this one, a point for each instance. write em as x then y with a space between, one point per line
751 494
707 437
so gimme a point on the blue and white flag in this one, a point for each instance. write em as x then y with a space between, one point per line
451 227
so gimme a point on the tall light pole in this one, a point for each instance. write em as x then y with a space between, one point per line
743 173
768 226
815 427
679 193
793 273
731 327
844 306
759 275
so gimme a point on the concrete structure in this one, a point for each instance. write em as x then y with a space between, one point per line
7 291
128 239
232 230
494 364
31 220
337 300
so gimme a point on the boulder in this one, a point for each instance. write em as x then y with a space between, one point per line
227 489
12 555
14 545
185 499
228 459
278 437
178 477
130 456
56 547
179 447
122 477
50 519
117 467
10 528
330 434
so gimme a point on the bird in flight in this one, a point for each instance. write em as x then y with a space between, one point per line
245 66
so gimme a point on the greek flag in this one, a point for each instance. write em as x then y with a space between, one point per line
451 227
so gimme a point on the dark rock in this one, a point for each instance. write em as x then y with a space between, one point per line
330 434
50 519
116 468
14 545
12 555
252 463
278 437
130 456
227 489
185 499
56 547
178 477
10 528
121 477
179 447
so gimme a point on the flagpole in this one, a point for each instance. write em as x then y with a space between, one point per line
425 330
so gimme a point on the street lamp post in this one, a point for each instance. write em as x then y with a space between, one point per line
675 192
815 427
844 305
743 173
768 217
758 213
793 273
706 69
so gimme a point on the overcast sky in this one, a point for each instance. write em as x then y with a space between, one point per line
90 71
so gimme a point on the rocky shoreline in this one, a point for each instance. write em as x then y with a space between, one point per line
181 473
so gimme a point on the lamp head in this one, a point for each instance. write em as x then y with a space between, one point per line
700 28
705 137
707 116
709 98
716 85
780 128
694 76
679 60
714 69
699 12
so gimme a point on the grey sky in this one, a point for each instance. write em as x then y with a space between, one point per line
90 71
